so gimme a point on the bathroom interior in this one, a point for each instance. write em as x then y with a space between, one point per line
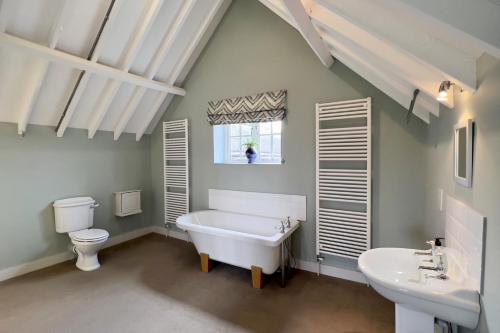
249 166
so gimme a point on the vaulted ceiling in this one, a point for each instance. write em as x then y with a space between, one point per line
115 65
400 45
98 64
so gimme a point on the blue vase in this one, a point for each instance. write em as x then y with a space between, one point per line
251 155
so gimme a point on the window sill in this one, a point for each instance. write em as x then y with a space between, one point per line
246 163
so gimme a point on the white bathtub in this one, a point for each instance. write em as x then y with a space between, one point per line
237 239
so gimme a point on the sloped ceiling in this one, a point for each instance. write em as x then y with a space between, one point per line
142 54
115 65
401 45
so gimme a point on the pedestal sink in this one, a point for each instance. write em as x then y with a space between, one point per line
419 298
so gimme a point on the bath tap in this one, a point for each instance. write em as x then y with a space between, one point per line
288 224
282 227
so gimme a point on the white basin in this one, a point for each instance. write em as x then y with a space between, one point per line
394 273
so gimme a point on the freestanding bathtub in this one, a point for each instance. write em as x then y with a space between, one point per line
238 239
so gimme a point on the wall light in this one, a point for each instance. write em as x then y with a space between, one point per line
444 88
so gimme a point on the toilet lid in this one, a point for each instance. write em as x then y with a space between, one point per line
89 235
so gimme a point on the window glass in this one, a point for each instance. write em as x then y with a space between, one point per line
234 137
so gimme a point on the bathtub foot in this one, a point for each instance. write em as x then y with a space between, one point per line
257 277
206 263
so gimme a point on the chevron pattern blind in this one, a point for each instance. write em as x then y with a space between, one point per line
263 107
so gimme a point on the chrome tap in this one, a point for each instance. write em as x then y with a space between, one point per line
440 266
282 227
288 224
440 276
430 268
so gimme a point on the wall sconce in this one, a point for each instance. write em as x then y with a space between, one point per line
444 88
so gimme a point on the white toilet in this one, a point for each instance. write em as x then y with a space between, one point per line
75 216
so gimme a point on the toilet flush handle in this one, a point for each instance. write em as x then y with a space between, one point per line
95 205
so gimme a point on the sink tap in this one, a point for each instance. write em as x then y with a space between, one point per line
430 268
440 266
440 276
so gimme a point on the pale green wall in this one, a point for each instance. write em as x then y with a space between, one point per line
484 196
252 51
39 168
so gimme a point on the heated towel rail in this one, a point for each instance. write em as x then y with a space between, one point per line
176 169
343 178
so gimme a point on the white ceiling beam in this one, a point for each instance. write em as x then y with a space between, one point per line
426 78
151 114
132 104
158 58
169 38
7 8
134 45
85 78
387 82
219 7
394 86
39 71
64 58
279 9
396 27
476 23
306 29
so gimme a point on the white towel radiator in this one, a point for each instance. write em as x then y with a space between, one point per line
343 178
176 169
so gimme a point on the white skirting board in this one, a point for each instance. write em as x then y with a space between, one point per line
8 273
332 271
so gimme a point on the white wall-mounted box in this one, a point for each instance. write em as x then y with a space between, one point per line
128 203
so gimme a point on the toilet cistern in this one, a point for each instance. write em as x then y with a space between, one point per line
75 216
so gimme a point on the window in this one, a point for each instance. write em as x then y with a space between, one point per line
229 142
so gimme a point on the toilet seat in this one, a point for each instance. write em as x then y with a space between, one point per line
89 235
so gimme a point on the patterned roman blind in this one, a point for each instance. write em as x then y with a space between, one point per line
258 108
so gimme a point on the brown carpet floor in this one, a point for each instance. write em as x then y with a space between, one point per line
153 284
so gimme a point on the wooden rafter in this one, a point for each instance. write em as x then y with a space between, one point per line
154 65
111 89
189 52
303 23
376 70
407 29
388 82
84 80
7 7
39 71
279 9
64 58
404 64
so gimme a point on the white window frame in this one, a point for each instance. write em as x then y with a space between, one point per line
256 136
